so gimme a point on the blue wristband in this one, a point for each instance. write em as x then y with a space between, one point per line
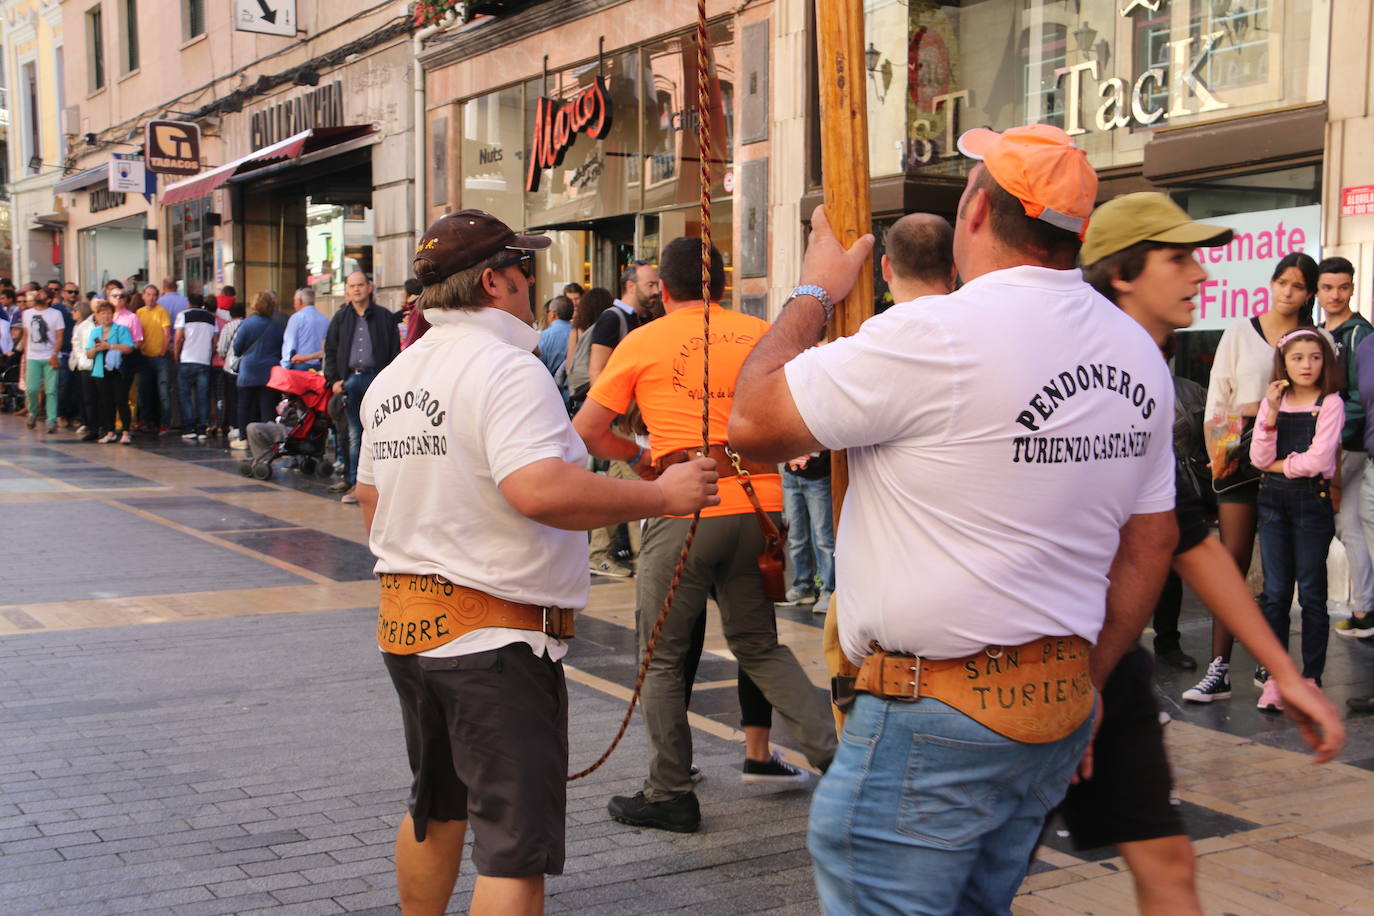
639 453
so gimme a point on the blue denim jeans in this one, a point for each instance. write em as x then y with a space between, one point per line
154 391
1295 530
810 530
355 386
194 382
926 811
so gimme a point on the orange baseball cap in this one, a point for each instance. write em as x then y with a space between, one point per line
1041 167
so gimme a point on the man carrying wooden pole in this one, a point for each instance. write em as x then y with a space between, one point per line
986 516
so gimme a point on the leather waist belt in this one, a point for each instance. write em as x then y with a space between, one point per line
724 467
1035 694
419 613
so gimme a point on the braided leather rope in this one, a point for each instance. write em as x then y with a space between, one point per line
704 144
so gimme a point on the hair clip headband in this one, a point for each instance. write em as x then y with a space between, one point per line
1296 333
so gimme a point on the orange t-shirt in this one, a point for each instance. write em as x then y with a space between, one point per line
659 366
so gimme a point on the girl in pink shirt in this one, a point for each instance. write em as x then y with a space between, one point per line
1296 446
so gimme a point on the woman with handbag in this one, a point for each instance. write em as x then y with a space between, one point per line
1241 373
258 346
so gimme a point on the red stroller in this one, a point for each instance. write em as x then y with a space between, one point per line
302 428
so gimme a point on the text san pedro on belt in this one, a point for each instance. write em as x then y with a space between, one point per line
1034 693
419 613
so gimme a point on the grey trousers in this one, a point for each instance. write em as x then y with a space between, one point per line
724 555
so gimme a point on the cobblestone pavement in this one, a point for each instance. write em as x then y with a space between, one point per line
193 721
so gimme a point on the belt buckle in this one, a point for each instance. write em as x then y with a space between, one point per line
915 682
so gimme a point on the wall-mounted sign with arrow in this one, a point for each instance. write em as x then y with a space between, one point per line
271 17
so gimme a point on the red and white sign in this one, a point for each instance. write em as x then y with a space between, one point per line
1357 201
728 181
556 125
1237 284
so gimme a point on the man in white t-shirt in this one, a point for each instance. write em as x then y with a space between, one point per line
42 342
473 489
1009 452
196 330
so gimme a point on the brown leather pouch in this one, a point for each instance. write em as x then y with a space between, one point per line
772 561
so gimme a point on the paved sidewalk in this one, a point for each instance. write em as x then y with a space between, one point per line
193 720
232 766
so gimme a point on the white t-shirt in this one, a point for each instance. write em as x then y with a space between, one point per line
43 326
198 329
6 343
999 439
459 410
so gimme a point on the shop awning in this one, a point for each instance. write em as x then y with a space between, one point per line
100 175
307 141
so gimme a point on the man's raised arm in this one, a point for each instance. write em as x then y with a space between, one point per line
765 424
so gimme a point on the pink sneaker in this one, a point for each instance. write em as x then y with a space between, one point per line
1269 699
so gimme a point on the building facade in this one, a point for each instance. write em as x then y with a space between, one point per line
32 227
305 144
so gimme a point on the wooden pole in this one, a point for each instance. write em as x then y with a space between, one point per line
842 81
843 85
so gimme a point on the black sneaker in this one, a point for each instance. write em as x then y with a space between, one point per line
1261 675
1360 704
696 774
680 815
773 772
1215 684
1175 657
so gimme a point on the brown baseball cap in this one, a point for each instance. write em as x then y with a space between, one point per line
457 241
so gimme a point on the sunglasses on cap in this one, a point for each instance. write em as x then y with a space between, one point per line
524 261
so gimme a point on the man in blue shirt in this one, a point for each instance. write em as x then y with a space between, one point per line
303 345
174 302
553 340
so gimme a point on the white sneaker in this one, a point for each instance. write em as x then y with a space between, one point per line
238 444
822 604
201 437
190 437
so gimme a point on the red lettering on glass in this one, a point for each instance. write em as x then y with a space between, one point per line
556 125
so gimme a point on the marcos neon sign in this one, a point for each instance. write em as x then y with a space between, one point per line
557 124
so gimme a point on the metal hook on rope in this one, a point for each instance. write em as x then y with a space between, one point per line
704 150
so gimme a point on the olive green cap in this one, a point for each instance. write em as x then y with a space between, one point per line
1146 216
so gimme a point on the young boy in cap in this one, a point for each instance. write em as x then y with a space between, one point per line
473 490
1138 253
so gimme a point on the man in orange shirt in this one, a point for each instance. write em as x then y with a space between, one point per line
659 367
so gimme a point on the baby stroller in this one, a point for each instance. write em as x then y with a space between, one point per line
11 398
301 430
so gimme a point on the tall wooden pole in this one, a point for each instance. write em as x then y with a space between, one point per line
842 80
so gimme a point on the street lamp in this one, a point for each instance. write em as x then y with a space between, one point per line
876 64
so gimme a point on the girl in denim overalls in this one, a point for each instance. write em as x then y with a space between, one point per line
1296 446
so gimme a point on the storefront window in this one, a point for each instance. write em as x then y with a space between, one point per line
595 177
671 154
1109 72
492 154
339 240
192 243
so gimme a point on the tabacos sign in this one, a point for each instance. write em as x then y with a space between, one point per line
1237 284
557 124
